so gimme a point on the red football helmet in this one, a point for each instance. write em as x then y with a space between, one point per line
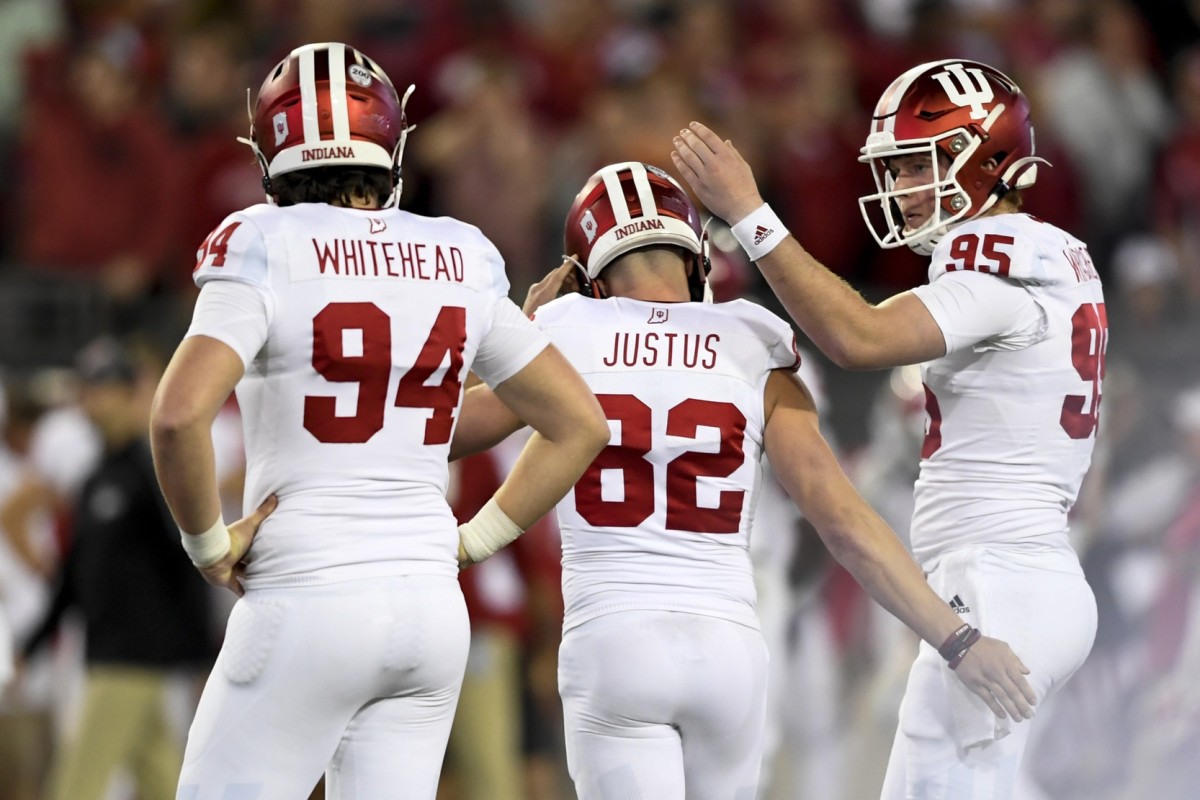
326 105
973 115
628 206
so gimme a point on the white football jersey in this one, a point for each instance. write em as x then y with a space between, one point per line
1012 416
661 519
349 402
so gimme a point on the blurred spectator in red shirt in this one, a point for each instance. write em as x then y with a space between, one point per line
818 127
207 77
98 193
486 156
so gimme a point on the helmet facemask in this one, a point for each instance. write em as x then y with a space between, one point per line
972 115
950 201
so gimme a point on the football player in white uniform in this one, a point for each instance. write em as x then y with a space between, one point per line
1011 330
347 327
662 668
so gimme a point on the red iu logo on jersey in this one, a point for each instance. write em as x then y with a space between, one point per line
657 316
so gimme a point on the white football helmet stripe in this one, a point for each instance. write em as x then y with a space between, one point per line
308 96
612 186
337 91
616 197
645 193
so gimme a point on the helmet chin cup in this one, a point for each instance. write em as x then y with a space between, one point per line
926 244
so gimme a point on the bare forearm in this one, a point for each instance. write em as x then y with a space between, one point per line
185 464
545 471
483 422
879 562
197 382
570 428
829 311
854 533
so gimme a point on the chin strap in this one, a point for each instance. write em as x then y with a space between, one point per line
698 287
249 142
587 287
397 181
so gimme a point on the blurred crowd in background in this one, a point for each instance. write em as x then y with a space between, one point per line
118 126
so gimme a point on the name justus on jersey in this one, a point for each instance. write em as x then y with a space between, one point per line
663 350
371 258
1081 262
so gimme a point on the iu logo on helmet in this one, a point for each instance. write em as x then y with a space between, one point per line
588 223
281 127
963 91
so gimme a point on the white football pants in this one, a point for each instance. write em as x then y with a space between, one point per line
1043 607
661 705
357 680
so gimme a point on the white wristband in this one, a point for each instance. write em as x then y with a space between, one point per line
487 532
760 232
206 549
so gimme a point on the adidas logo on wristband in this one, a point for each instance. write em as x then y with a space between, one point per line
760 232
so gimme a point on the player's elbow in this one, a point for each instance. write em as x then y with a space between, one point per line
594 431
843 545
846 532
576 424
854 354
584 430
172 419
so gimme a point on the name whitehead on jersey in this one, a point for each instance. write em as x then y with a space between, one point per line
1081 262
674 349
421 261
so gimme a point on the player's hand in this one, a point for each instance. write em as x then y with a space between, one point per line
560 281
992 671
231 569
717 173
